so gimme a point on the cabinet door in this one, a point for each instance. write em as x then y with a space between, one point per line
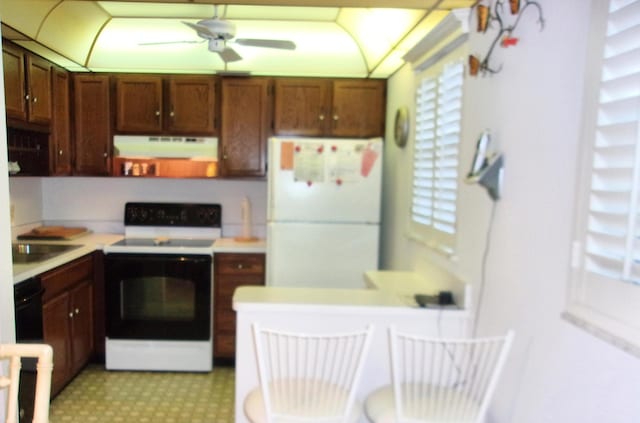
14 81
191 105
358 108
92 140
56 331
245 126
60 149
81 325
39 82
139 104
232 271
301 106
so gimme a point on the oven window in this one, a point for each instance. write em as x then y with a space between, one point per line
157 298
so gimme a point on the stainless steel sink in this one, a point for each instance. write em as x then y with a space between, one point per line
24 252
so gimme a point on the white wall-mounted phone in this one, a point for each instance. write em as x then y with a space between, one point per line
487 168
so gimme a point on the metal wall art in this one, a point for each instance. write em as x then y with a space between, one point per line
494 14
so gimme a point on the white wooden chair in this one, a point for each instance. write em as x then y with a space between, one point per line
307 377
439 380
13 353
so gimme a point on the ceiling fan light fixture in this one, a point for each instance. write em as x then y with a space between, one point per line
216 45
221 28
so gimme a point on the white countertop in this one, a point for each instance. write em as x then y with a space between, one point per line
231 245
388 291
89 243
96 241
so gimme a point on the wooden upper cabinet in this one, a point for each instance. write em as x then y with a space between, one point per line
60 146
301 106
14 81
92 123
358 108
176 105
337 108
139 104
27 85
39 94
192 105
245 108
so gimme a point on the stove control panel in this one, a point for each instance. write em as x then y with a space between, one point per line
173 214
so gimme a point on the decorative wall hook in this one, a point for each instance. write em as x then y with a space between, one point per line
489 14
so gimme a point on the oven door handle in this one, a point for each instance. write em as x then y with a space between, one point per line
186 258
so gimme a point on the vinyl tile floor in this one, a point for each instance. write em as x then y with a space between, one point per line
100 396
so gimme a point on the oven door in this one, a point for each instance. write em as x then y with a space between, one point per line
158 296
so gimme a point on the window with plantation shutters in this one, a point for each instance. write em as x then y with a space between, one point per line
605 293
435 167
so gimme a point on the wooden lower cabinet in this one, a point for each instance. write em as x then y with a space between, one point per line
232 270
67 314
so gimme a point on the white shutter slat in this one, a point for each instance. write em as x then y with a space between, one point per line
627 86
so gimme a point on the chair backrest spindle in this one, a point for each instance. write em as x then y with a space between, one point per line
452 380
309 377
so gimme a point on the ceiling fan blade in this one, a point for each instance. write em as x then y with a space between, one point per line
229 55
202 30
158 43
256 42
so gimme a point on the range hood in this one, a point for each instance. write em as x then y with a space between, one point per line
165 156
156 146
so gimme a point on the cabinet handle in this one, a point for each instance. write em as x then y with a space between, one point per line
105 155
224 153
60 153
27 97
240 266
336 117
35 99
71 315
321 117
172 114
157 112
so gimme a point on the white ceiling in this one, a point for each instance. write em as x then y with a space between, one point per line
350 40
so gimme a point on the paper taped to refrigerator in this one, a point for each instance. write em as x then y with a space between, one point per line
309 162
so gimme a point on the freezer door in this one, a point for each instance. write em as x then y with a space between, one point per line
320 255
324 180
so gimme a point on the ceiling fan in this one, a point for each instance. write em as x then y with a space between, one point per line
218 31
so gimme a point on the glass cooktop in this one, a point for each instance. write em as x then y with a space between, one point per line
164 242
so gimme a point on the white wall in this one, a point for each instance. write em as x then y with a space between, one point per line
556 372
98 203
7 321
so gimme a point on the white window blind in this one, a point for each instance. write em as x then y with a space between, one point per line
608 281
435 176
612 241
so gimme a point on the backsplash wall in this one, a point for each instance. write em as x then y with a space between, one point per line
26 199
98 203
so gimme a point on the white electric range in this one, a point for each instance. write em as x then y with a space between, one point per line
158 288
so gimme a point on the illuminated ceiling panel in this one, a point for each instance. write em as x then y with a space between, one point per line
115 36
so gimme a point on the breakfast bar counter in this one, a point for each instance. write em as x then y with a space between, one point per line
323 310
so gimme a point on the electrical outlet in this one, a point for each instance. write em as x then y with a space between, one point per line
13 214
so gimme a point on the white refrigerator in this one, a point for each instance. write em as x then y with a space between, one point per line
323 211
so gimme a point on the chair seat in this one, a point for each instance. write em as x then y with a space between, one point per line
380 407
312 406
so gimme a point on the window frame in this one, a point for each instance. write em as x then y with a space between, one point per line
604 306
